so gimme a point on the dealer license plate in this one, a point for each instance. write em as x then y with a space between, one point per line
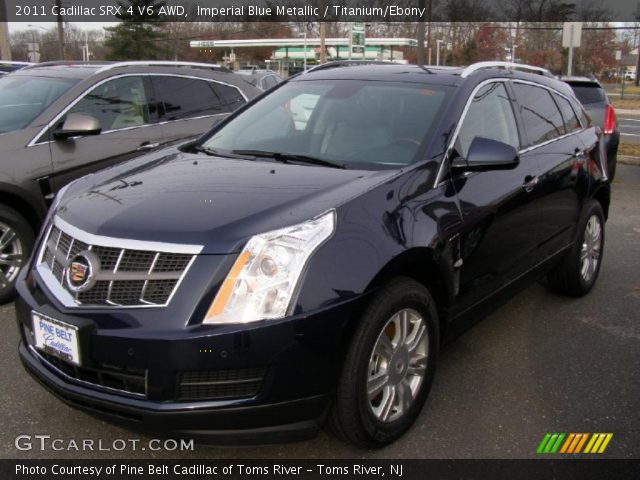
56 338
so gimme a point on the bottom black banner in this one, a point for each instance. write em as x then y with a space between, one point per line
320 469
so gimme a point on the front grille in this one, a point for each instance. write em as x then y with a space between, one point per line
220 384
124 277
124 379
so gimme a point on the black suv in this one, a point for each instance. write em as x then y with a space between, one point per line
274 274
59 121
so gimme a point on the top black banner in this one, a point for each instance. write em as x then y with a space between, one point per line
322 10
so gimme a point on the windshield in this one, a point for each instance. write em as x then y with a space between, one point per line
23 98
355 123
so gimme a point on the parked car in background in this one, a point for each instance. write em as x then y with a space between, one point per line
247 286
262 79
599 108
7 66
61 121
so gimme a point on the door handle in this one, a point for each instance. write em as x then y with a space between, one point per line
147 146
580 155
529 183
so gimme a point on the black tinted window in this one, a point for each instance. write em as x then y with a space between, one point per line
179 98
490 102
571 122
541 116
229 96
589 93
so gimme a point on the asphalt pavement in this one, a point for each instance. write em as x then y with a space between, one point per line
542 363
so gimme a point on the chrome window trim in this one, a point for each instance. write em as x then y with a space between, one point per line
439 180
67 299
35 140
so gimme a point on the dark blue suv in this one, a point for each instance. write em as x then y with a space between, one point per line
304 260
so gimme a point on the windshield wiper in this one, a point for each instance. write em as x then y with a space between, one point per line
212 152
289 157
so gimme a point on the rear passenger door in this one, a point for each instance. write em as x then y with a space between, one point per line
552 131
501 209
128 129
188 106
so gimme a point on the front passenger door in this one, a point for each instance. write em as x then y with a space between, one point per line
500 209
128 130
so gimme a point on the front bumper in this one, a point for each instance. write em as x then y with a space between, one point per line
299 359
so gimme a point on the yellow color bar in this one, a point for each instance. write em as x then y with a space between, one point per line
591 442
599 440
606 441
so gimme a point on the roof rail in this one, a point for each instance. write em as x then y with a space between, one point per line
506 65
164 63
55 63
347 63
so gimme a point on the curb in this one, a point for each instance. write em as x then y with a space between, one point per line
628 160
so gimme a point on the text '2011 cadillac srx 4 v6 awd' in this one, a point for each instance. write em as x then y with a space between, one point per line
280 272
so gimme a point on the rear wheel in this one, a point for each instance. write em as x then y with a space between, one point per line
389 366
578 271
16 243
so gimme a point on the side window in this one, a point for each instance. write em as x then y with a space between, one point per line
490 116
542 119
179 98
118 103
231 98
571 122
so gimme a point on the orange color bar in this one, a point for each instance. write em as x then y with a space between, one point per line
567 442
579 446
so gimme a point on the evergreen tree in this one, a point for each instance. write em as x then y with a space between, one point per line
137 37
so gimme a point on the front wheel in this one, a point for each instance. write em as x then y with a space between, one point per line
16 243
389 366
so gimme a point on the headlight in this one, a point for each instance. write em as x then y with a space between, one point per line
263 279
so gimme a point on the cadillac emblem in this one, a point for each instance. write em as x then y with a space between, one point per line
81 271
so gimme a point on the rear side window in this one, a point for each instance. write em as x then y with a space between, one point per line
490 115
589 93
571 122
179 98
540 114
230 97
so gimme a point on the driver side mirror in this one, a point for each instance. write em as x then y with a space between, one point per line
485 154
78 125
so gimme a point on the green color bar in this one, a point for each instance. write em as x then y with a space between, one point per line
543 443
558 443
550 444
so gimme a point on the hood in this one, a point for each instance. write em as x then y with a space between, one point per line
215 202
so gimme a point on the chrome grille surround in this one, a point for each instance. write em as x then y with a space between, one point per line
132 273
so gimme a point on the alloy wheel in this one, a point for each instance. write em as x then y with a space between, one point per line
591 248
397 365
11 255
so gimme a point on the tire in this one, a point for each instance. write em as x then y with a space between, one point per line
16 242
612 168
571 277
369 422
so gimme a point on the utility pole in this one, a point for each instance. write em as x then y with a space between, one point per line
60 30
323 35
5 46
420 34
429 32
